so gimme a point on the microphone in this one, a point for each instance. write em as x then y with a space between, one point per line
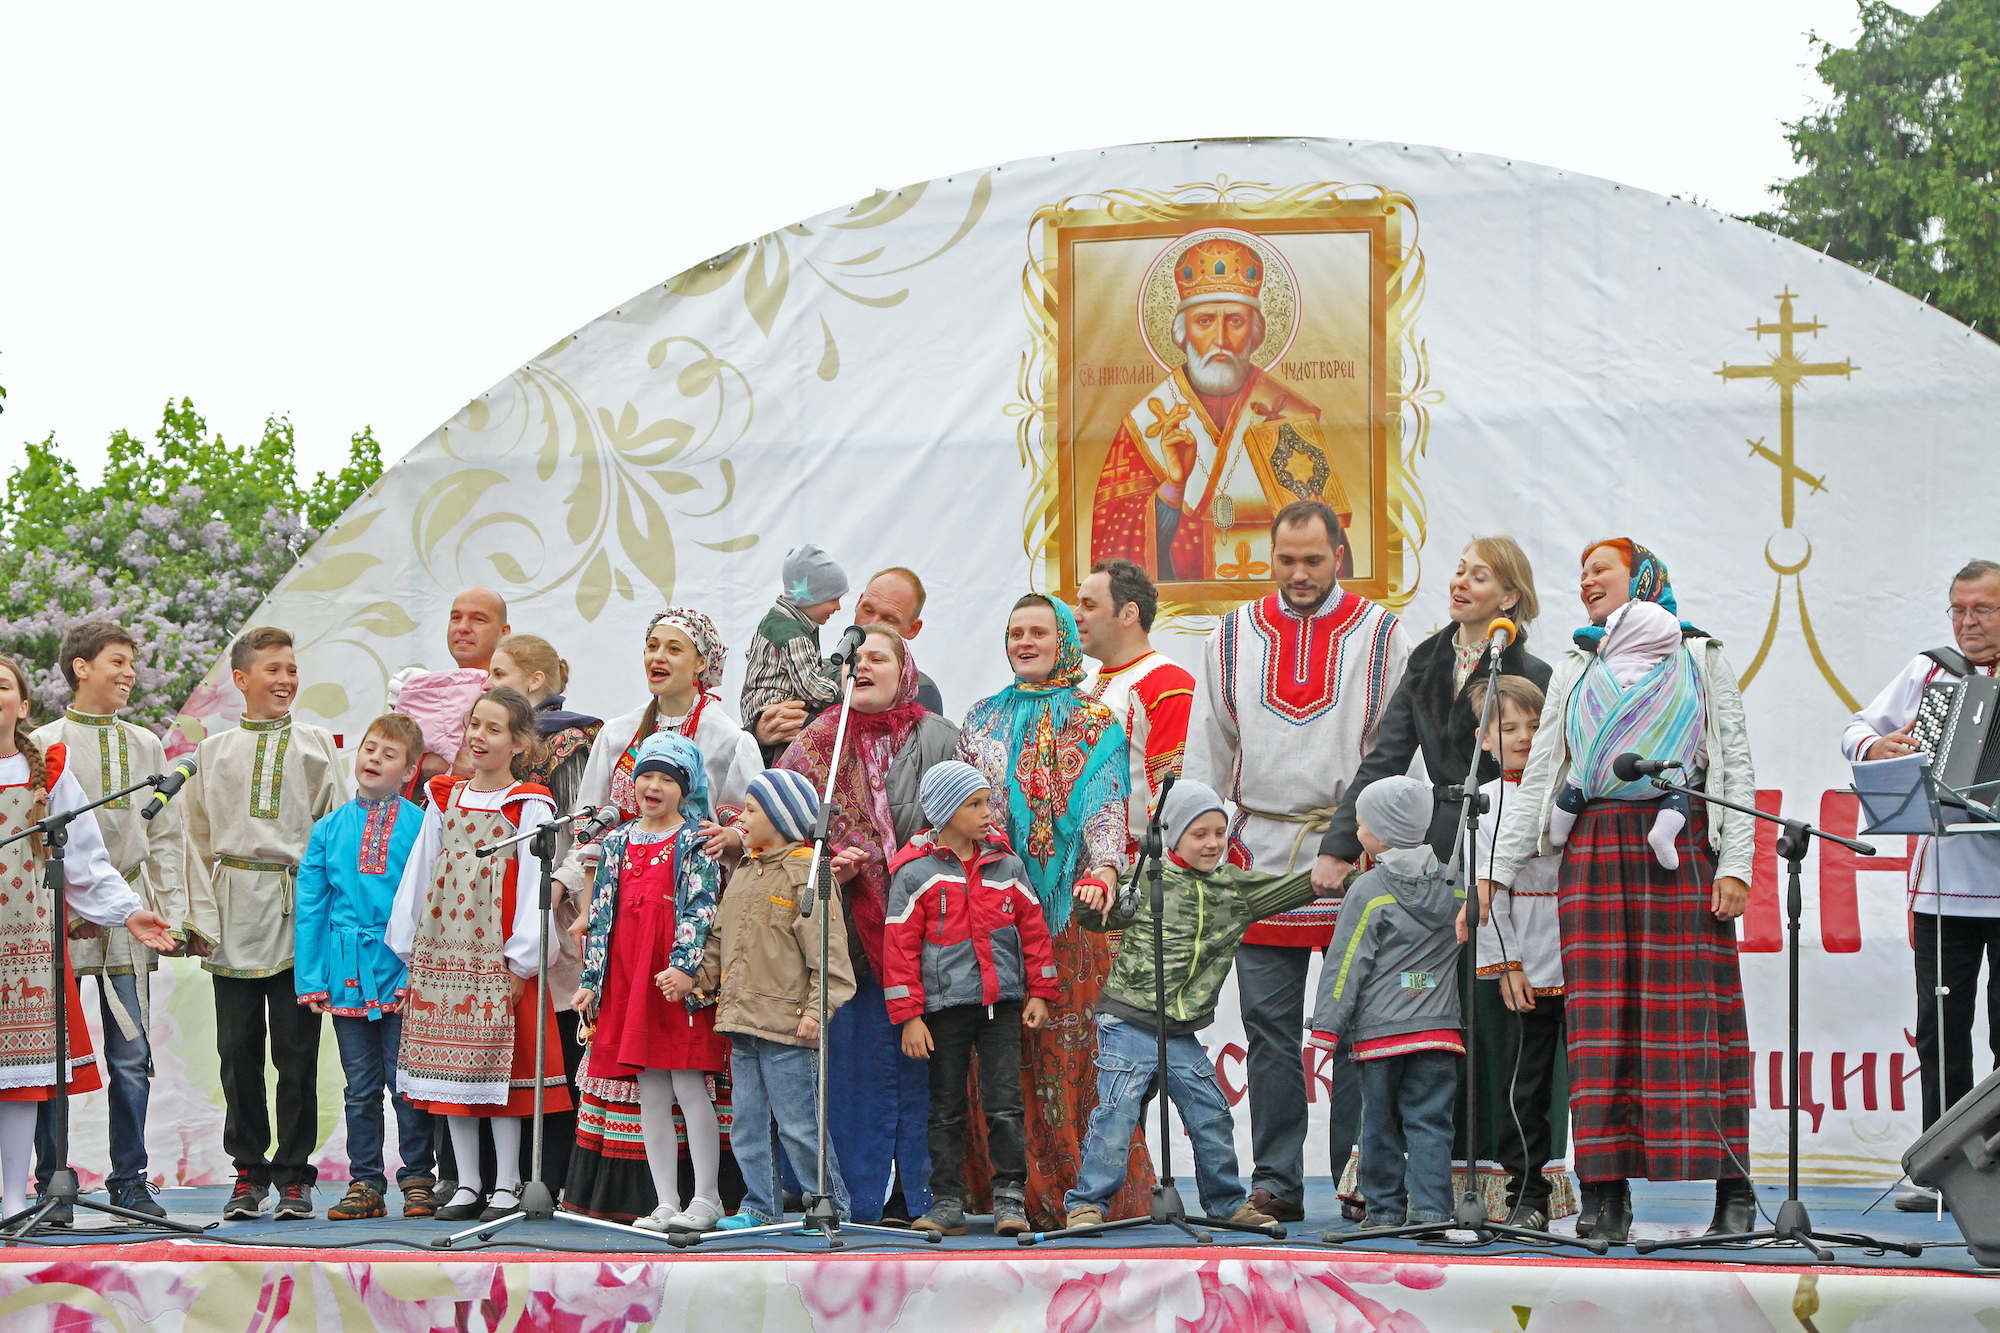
1630 767
588 825
1500 633
164 788
850 644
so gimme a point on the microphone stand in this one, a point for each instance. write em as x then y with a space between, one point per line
1469 1213
822 1213
1167 1210
537 1204
33 1220
1794 1224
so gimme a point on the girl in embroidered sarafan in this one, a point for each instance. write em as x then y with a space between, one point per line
650 913
1056 758
32 785
468 928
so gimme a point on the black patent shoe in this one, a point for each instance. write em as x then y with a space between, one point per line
1735 1208
1587 1203
1614 1212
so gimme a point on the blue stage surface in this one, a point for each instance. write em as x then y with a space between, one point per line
1661 1211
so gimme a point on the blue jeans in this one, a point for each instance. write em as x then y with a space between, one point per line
1406 1109
776 1094
368 1058
128 1072
1127 1058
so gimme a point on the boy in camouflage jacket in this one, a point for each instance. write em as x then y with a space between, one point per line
1208 907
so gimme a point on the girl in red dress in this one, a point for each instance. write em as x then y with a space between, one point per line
651 908
33 784
469 929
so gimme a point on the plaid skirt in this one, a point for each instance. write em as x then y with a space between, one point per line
1659 1051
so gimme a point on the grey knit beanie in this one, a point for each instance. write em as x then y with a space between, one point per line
1397 810
811 577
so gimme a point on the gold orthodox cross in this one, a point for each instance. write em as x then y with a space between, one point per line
1786 370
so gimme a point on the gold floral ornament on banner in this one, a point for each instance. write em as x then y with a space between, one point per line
1311 383
766 269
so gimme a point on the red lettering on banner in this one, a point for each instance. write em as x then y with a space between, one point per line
1897 1078
1230 1091
1839 905
1865 1071
1315 1061
1763 930
1806 1102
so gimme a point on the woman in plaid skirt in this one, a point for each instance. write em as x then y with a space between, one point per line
1659 1052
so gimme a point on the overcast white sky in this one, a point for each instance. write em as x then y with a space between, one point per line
368 213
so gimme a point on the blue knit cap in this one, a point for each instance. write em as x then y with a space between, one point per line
788 800
679 758
946 787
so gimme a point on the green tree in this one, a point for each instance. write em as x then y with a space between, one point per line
1902 168
179 542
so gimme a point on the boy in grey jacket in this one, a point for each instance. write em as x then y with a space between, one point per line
1390 985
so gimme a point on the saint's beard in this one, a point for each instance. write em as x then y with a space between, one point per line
1218 374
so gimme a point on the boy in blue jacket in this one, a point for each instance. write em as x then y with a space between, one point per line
346 886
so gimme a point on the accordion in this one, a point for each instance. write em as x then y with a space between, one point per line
1955 727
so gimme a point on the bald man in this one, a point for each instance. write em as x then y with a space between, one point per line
477 625
895 598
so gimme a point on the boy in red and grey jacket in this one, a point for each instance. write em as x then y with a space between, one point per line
966 964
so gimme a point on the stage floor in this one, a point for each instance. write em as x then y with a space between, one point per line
384 1275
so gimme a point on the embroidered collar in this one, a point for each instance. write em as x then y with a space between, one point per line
1106 672
381 803
84 719
638 837
270 724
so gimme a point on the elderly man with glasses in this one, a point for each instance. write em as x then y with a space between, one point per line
1955 882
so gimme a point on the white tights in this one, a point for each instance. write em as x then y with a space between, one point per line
659 1089
506 1153
17 1154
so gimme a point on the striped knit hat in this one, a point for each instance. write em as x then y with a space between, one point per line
788 800
946 787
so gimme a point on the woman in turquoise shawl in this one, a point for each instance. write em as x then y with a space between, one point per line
1057 762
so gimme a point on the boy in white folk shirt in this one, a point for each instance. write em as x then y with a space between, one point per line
99 660
250 810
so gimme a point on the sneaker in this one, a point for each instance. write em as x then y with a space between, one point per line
245 1202
1084 1215
504 1203
137 1197
61 1217
656 1220
946 1218
739 1222
294 1202
701 1215
1010 1213
1250 1217
419 1197
361 1200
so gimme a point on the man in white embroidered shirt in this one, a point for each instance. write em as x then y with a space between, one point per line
1954 882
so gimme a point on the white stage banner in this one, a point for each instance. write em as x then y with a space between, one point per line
979 377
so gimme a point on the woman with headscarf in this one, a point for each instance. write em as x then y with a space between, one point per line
878 1099
683 659
1659 1053
1059 758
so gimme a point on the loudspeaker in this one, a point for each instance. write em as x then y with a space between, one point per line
1959 1157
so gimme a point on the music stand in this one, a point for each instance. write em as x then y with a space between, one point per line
1889 791
33 1220
1793 1223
